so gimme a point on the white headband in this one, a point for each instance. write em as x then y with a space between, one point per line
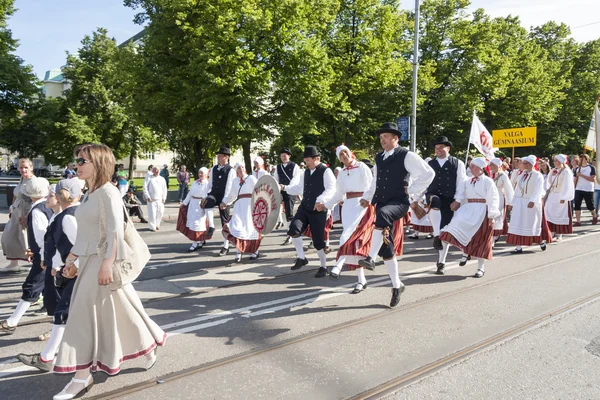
561 158
339 149
259 160
531 159
497 162
479 162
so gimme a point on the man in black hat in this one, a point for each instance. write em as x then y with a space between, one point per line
389 195
219 183
285 173
317 187
445 193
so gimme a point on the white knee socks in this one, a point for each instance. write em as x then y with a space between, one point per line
52 346
392 266
226 244
361 276
297 242
376 243
210 216
436 219
481 264
322 257
16 316
443 253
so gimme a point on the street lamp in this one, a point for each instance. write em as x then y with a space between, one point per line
413 120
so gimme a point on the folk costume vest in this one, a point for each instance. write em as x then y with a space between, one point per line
219 180
391 177
444 183
286 173
314 186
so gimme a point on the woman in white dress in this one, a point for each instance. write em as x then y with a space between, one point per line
105 326
472 226
193 220
561 190
506 193
240 230
259 168
357 221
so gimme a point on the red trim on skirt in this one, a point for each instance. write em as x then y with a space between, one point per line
545 236
244 246
104 368
328 226
481 243
563 229
422 228
359 243
399 236
190 234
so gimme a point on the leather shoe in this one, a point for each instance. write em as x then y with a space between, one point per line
322 272
309 247
517 251
367 263
287 241
300 262
437 243
479 274
223 252
441 269
543 246
35 360
396 296
359 288
463 261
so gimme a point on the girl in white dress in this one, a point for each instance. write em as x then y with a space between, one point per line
506 193
194 221
561 190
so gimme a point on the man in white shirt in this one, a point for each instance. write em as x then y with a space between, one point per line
286 173
155 192
585 176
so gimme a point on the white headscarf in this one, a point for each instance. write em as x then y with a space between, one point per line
531 159
479 162
341 148
259 160
237 165
561 158
204 169
497 162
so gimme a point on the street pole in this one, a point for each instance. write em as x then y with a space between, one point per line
413 120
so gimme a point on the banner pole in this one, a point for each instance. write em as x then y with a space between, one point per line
513 155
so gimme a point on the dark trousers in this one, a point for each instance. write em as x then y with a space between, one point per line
136 211
34 283
385 217
580 196
315 219
443 204
288 205
63 301
49 292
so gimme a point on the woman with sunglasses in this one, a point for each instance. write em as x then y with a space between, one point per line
105 326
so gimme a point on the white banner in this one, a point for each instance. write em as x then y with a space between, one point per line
482 139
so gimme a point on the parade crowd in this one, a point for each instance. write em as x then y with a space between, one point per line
73 240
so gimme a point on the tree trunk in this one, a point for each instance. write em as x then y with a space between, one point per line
132 157
246 153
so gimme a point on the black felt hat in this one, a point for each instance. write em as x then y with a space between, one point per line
389 127
224 150
286 150
442 140
311 151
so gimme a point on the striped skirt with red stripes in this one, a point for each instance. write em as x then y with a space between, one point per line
359 243
545 235
244 246
481 243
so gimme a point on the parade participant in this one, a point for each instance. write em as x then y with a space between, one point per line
259 168
155 191
445 194
505 193
389 196
37 223
527 223
106 326
420 225
194 220
285 173
240 230
134 206
472 226
183 183
585 175
219 183
561 191
62 234
14 237
357 221
516 172
317 187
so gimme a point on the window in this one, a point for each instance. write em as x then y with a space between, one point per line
149 155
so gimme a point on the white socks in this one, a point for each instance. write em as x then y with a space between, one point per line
297 242
340 263
16 316
481 264
376 243
443 253
361 276
226 244
327 243
392 266
52 345
435 216
518 248
210 215
322 258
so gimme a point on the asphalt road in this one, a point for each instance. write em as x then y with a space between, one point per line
259 331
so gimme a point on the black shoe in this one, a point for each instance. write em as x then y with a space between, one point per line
253 257
143 221
441 269
321 273
300 262
367 263
35 360
429 236
334 275
463 261
517 251
309 247
437 243
4 328
223 252
359 288
543 246
479 274
210 231
287 242
396 296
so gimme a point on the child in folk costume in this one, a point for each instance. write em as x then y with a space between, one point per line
506 192
62 234
195 221
37 223
357 221
528 223
420 225
240 230
561 190
472 226
259 168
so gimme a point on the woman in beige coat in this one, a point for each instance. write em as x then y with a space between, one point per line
105 327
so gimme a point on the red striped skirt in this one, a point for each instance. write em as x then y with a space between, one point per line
423 228
328 226
190 234
545 236
399 236
244 246
359 244
480 245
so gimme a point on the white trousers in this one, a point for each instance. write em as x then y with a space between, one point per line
156 209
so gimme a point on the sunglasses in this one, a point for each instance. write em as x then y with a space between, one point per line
81 161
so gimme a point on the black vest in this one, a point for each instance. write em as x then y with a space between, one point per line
285 174
444 183
30 236
314 186
219 180
61 240
49 245
391 177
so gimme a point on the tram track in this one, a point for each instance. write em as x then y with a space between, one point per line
402 381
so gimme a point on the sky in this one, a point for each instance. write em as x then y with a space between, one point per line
47 29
